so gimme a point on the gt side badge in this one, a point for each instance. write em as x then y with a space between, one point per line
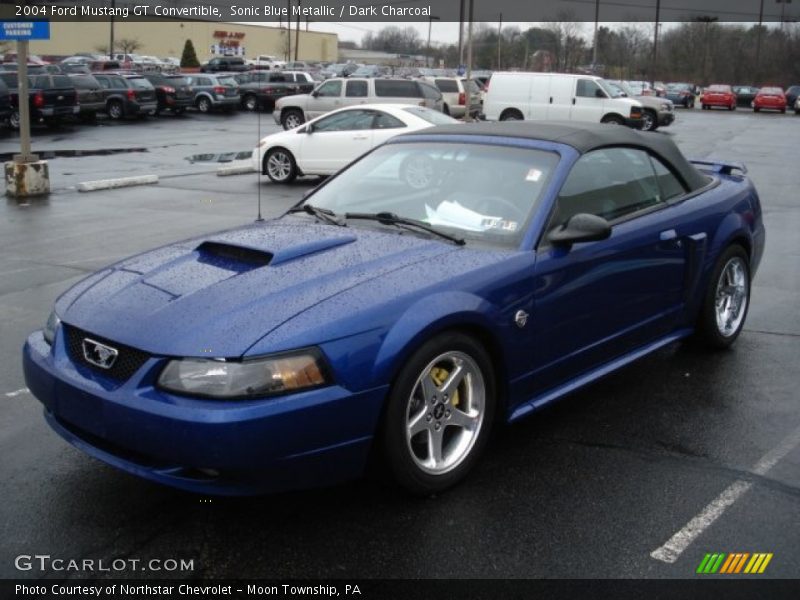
521 318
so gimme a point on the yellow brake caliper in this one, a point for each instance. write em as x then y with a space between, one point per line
439 376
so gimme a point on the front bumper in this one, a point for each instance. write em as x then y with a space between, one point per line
276 114
308 439
634 123
665 118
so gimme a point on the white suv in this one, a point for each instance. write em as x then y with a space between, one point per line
454 95
293 111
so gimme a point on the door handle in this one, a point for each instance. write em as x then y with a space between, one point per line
573 100
359 137
551 99
669 234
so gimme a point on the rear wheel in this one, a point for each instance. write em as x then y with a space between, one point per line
726 300
439 413
280 166
13 120
292 118
612 120
511 115
203 104
115 110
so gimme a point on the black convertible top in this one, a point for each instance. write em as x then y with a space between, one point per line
584 137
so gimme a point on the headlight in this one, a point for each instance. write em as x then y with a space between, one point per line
277 374
50 327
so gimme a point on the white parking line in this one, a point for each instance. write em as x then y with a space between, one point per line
18 392
675 546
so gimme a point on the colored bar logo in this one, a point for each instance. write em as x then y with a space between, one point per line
734 563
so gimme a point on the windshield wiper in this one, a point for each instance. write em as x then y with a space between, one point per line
323 214
388 218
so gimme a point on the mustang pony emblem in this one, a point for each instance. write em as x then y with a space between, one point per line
99 354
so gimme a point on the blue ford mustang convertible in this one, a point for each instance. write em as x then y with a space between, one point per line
446 281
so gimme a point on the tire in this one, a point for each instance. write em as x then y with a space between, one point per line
433 434
280 166
726 300
649 121
612 120
783 111
179 111
446 110
14 120
292 118
511 115
732 107
203 105
250 102
115 110
756 109
703 106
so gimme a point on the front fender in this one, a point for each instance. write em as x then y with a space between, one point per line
427 317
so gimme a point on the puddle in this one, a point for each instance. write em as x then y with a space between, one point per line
221 157
47 154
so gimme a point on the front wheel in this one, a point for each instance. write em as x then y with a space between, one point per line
439 414
280 166
292 118
726 300
649 121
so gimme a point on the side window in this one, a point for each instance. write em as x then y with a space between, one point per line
356 89
103 82
588 89
346 121
670 186
387 121
330 89
118 83
610 183
447 86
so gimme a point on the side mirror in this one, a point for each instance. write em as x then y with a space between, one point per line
599 94
582 227
315 93
308 128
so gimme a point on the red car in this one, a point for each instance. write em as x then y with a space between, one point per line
770 98
718 95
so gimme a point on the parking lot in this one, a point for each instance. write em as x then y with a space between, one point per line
590 487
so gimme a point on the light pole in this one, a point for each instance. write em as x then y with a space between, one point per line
655 45
111 36
461 32
431 19
594 44
499 39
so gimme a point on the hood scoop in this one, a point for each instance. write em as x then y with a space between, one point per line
232 257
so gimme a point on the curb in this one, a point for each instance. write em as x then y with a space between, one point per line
237 170
107 184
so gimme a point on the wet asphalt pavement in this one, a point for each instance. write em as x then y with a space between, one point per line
587 488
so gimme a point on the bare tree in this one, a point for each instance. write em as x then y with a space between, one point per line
128 45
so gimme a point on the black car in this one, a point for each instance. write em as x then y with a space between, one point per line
173 92
266 87
127 95
50 98
5 101
91 95
745 94
792 93
224 63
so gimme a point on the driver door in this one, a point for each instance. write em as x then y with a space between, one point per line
324 99
595 301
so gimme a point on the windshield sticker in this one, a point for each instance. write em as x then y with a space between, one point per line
533 175
453 214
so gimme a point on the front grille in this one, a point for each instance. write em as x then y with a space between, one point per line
129 360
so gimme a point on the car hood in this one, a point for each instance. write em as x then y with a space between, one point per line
299 100
653 101
218 295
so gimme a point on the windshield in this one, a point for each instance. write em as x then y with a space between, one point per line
485 194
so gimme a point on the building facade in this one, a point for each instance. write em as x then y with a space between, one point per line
167 38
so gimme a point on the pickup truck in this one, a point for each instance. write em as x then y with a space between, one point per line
50 97
266 61
266 87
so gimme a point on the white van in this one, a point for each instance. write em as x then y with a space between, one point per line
557 96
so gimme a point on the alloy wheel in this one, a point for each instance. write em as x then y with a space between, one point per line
731 297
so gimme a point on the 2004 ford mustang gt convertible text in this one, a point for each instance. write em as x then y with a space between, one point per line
449 279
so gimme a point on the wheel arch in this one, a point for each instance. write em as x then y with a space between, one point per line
612 114
438 314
